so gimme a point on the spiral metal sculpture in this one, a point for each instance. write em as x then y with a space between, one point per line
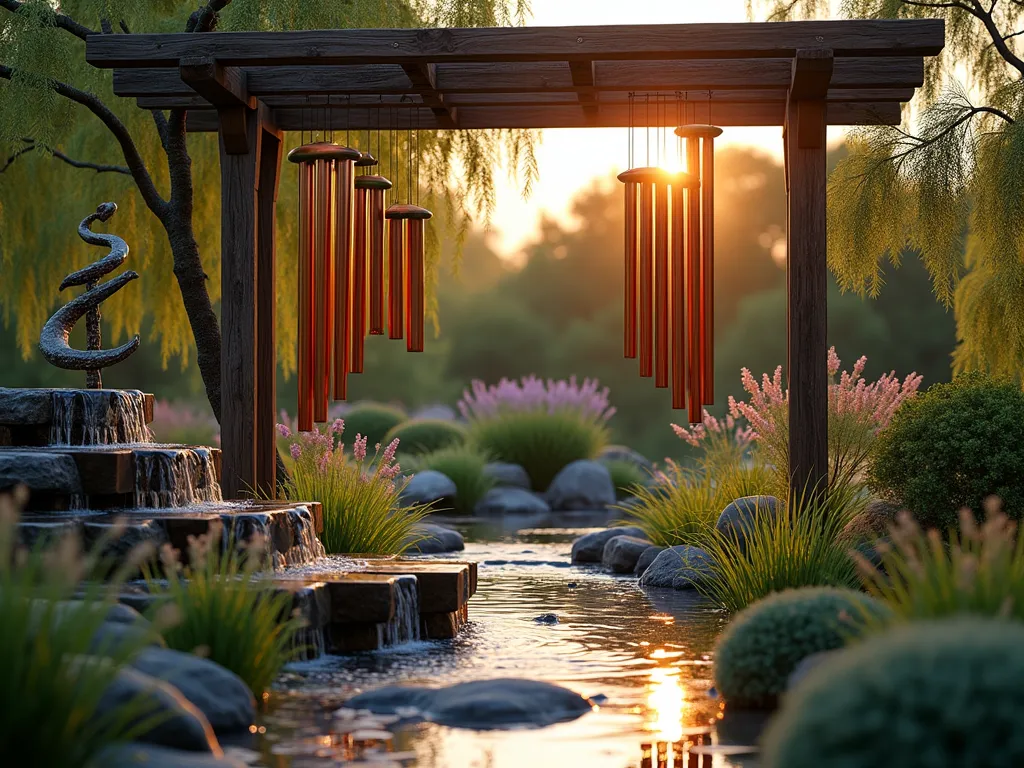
53 341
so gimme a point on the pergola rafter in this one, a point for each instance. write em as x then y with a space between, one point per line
250 86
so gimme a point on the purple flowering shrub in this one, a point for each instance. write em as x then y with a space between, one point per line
540 425
358 491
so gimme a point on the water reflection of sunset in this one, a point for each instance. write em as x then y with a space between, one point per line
666 698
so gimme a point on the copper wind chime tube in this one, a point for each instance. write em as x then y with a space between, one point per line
668 320
318 192
406 229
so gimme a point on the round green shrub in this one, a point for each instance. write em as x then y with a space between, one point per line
542 443
625 475
419 436
952 447
373 421
464 465
934 694
762 645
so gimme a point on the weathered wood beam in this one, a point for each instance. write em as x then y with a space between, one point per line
857 37
812 72
224 88
423 78
463 100
541 77
582 73
807 279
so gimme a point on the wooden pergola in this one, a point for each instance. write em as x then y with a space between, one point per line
252 86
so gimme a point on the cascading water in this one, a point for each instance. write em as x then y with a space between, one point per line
404 626
98 417
174 477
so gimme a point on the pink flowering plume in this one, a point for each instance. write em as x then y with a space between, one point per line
721 440
857 411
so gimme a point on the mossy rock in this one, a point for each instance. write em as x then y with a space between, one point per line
373 421
931 694
763 644
419 436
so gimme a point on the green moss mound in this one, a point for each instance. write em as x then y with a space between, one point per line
542 443
934 694
763 644
952 447
419 436
373 421
464 464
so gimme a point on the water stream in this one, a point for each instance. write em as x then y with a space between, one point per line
174 476
98 417
649 654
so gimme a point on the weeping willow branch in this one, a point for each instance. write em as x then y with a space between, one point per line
996 34
59 19
136 165
98 167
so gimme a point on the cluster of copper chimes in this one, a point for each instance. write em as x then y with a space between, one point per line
669 272
342 271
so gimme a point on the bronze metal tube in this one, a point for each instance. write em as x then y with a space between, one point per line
375 205
415 294
678 274
661 286
707 306
646 279
358 282
343 174
305 351
693 283
631 267
323 277
396 279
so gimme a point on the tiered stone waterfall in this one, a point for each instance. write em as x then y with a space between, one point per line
89 462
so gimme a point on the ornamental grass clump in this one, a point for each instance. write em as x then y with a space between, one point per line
419 436
951 448
800 543
463 465
360 494
373 421
857 412
542 426
763 644
930 694
227 607
977 570
51 680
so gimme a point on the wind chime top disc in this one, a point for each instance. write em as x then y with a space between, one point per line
372 181
322 150
365 160
407 211
698 131
655 175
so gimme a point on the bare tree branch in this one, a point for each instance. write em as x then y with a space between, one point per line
136 165
205 18
997 36
18 153
98 167
62 21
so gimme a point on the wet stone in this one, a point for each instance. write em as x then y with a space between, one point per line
481 704
737 518
581 485
647 557
42 472
625 453
621 553
428 486
509 475
589 548
19 407
510 501
679 567
436 540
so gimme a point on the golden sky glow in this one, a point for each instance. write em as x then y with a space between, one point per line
570 158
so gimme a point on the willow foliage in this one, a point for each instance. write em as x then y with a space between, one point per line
949 183
43 197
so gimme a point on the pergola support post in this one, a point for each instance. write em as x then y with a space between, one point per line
807 272
248 192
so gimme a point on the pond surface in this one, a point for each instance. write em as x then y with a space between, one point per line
648 654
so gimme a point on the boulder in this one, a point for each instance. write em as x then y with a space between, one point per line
428 486
589 548
625 453
582 485
481 704
134 755
621 553
678 567
437 540
737 518
506 474
221 695
646 558
510 501
41 472
112 636
179 725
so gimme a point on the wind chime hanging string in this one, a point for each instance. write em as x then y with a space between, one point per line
700 212
321 214
406 231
